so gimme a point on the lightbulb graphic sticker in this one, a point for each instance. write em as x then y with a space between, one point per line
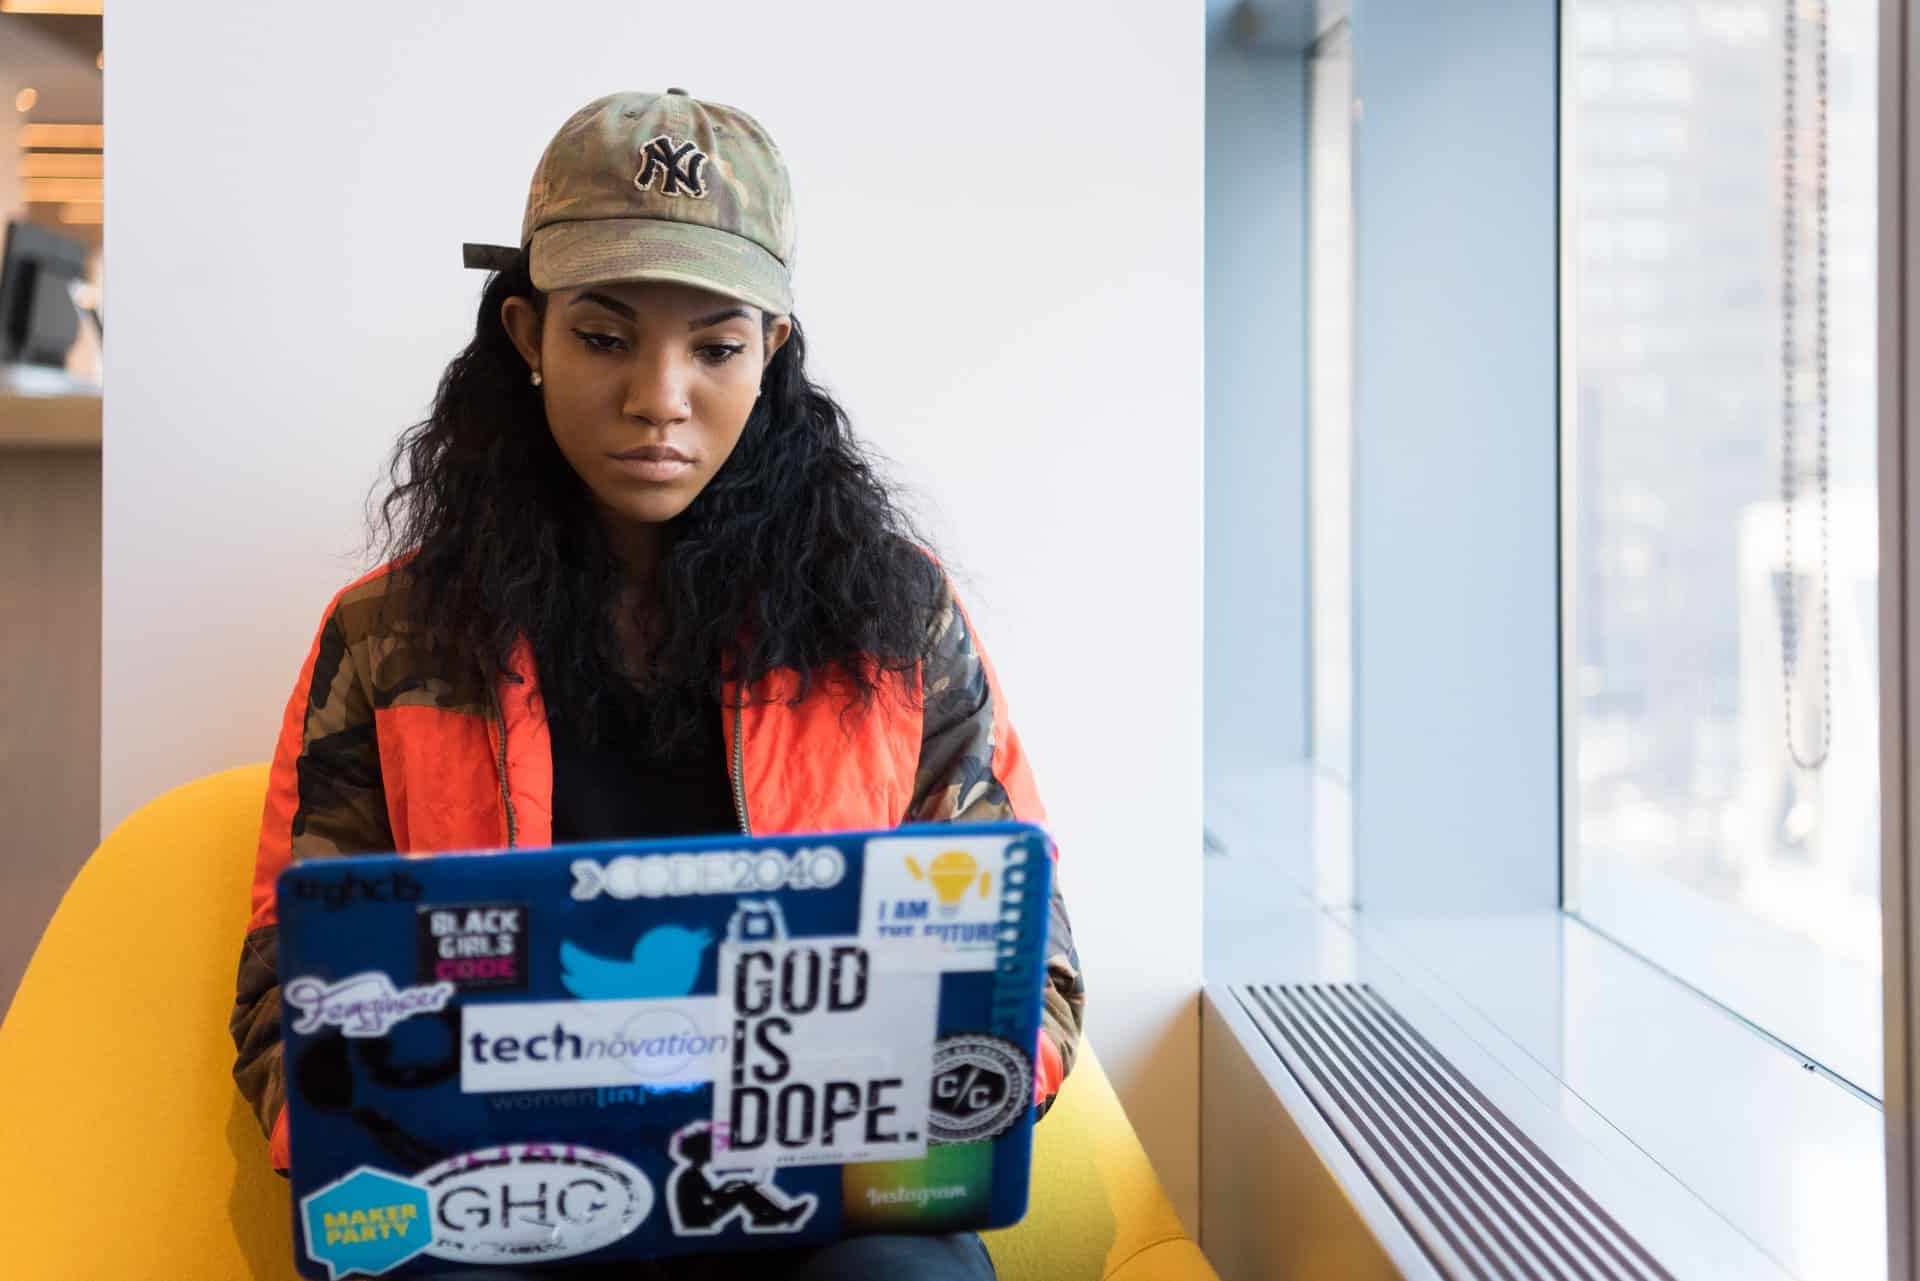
954 875
944 892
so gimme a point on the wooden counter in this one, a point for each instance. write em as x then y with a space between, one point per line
49 422
49 656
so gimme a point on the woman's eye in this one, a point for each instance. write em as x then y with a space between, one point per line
599 342
720 353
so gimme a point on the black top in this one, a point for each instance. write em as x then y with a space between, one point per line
619 788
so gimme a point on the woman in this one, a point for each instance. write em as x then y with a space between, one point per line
643 582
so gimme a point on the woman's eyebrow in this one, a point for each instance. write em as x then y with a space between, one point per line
719 316
615 305
610 303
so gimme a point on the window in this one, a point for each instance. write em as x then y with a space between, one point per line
1719 317
1330 454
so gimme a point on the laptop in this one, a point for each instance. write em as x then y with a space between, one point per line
643 1049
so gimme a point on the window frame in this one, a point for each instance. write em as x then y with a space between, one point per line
1774 985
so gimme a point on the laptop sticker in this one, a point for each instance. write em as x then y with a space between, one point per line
366 1222
475 946
703 1198
629 876
336 893
945 890
664 962
981 1086
599 1097
755 920
953 1185
365 1004
557 1045
530 1202
831 1054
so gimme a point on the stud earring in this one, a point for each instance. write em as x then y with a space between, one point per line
536 377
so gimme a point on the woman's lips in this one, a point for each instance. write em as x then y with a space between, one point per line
653 462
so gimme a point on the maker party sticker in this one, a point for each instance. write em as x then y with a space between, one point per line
368 1221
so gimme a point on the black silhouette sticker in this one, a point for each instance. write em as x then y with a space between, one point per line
702 1202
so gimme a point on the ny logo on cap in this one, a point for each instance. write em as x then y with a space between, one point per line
678 168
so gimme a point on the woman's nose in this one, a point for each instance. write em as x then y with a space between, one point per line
657 390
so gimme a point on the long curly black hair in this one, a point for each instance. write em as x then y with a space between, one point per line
796 555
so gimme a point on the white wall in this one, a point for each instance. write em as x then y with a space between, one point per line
1000 268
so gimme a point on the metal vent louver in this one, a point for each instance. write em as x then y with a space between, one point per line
1483 1199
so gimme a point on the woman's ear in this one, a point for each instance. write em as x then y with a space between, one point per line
777 334
522 324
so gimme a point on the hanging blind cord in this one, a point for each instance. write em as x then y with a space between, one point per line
1789 479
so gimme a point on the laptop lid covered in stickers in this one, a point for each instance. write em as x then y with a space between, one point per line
652 1048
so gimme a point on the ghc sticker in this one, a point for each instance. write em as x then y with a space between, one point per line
367 1222
528 1202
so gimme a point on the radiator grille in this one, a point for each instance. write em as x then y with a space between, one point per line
1483 1200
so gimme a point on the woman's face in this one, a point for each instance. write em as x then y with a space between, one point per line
647 388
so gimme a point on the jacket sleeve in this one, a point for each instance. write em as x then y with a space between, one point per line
972 769
324 796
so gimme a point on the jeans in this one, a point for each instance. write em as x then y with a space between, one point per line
959 1257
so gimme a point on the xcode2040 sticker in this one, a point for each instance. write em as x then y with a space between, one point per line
819 867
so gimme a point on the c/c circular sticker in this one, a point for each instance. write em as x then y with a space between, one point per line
981 1086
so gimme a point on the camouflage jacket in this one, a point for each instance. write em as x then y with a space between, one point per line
381 749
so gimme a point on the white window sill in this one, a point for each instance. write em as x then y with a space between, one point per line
1710 1143
1821 1005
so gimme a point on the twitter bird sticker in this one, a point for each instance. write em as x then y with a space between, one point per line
665 962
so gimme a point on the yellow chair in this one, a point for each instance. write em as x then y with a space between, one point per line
130 1155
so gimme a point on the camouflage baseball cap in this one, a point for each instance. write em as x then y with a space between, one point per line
646 186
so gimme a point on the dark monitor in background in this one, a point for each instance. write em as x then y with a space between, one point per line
38 319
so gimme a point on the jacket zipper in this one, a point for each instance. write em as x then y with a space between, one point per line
506 797
740 765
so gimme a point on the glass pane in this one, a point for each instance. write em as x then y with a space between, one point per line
1330 455
1721 738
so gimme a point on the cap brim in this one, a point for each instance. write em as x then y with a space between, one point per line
606 251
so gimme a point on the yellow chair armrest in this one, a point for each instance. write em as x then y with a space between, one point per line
1097 1211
